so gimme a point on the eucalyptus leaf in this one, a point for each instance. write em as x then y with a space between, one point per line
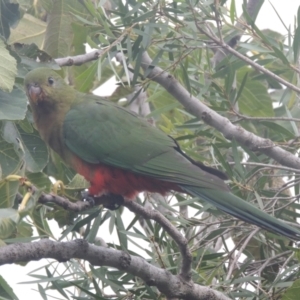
8 67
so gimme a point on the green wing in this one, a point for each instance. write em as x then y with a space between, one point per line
102 132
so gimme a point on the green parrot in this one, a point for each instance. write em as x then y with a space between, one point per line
121 153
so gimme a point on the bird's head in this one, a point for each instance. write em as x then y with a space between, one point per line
43 85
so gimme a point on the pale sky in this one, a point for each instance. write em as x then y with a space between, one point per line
267 19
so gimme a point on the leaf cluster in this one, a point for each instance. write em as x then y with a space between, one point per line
37 33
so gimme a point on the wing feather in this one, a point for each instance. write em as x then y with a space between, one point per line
101 132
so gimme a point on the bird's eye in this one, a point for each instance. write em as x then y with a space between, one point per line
50 80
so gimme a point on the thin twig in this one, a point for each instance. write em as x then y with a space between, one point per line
180 240
256 164
246 59
231 268
243 117
283 267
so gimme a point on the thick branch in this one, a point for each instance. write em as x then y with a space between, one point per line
212 118
139 210
170 285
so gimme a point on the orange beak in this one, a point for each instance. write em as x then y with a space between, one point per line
34 92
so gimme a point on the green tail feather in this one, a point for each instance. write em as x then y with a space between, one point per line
241 209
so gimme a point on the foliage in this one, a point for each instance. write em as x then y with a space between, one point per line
171 33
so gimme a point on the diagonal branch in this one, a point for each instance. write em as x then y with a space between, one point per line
180 240
212 118
171 285
247 60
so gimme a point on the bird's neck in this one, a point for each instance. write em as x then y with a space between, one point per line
49 119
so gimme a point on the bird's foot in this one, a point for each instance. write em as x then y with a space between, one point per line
88 198
110 201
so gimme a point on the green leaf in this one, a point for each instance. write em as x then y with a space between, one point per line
6 292
24 230
292 293
42 292
296 42
9 159
9 15
29 30
280 55
32 51
13 106
8 192
38 217
8 222
254 100
94 230
56 284
278 129
35 150
86 220
85 80
232 11
120 231
8 68
59 35
10 164
39 180
47 5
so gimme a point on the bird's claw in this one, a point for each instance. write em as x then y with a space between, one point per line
88 198
109 201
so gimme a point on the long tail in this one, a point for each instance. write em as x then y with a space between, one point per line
241 209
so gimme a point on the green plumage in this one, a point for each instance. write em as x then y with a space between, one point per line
99 131
122 139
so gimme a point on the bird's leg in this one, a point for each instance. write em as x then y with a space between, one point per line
109 201
87 197
112 201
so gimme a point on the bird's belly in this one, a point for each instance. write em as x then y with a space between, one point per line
106 179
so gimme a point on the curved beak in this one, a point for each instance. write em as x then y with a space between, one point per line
34 92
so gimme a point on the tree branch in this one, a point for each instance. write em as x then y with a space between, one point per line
78 59
247 60
194 106
171 285
64 202
212 118
139 210
180 240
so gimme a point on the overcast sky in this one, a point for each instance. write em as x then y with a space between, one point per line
267 18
